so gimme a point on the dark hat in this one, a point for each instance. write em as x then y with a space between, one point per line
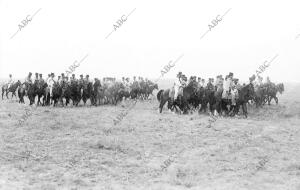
41 74
230 74
36 74
87 75
81 75
179 74
52 74
63 74
73 74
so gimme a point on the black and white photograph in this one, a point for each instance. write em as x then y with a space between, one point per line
149 95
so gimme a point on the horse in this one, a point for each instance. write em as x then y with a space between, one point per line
12 89
22 93
98 93
75 93
31 89
164 96
56 93
182 100
65 93
87 90
272 92
245 94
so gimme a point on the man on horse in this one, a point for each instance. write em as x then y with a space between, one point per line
227 86
41 80
50 83
73 78
219 83
61 79
199 83
10 81
28 78
179 84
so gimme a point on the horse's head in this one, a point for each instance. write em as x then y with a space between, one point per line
18 83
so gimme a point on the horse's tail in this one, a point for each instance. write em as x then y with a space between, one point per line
159 94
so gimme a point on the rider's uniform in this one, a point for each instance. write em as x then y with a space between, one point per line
27 80
226 88
234 93
9 82
177 85
50 83
41 81
219 84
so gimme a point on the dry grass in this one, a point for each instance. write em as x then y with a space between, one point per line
80 148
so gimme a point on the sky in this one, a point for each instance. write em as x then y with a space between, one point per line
154 34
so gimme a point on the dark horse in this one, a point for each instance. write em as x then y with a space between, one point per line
12 89
22 93
245 94
182 101
87 92
40 90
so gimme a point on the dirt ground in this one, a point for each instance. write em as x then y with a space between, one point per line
81 148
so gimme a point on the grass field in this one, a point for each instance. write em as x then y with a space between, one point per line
81 148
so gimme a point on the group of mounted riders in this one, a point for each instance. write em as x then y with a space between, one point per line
223 96
54 90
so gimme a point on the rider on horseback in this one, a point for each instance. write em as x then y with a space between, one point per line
179 84
41 80
210 85
227 86
36 80
28 80
10 81
50 83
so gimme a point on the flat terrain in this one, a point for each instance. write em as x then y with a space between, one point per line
80 148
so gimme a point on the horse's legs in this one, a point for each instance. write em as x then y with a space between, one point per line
161 105
276 99
244 106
